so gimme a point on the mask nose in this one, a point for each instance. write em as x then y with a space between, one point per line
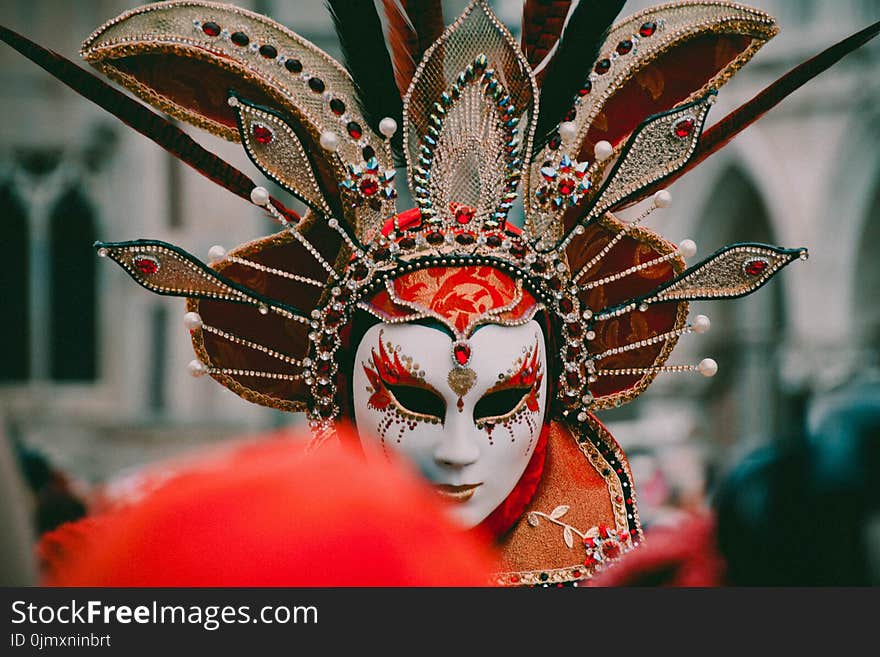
456 450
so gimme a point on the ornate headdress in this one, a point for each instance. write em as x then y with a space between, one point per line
578 126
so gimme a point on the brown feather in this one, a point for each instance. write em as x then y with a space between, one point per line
541 26
403 41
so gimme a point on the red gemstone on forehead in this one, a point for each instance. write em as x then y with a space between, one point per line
464 214
211 29
462 354
684 128
647 29
756 267
369 186
146 265
262 134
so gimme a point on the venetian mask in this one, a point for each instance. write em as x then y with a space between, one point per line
471 425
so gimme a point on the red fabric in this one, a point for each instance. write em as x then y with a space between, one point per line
513 506
268 515
459 294
684 555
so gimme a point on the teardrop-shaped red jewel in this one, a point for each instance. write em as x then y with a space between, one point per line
262 134
756 267
684 128
462 354
146 265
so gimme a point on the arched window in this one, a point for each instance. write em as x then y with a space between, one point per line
744 403
867 271
14 283
73 297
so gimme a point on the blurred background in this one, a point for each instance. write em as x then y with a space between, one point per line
93 374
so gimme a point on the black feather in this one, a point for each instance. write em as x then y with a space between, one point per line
578 50
366 57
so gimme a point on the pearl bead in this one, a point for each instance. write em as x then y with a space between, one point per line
701 324
603 150
192 321
687 248
662 199
196 368
103 252
329 141
568 130
260 196
388 126
707 367
216 252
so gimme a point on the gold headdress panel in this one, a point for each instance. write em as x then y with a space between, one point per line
272 314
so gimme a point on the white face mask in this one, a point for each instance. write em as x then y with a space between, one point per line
471 430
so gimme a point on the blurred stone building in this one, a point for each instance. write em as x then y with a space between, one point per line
93 370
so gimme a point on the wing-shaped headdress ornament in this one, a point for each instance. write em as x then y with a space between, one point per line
580 122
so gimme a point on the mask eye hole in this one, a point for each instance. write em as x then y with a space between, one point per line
418 401
499 403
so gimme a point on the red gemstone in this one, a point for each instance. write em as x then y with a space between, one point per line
317 85
684 128
539 266
146 265
575 330
567 186
293 65
325 390
493 241
333 317
573 379
647 29
323 367
407 243
572 352
462 354
240 39
555 142
518 250
369 186
337 107
354 129
262 134
464 214
269 52
603 66
555 284
211 29
435 238
756 267
624 47
571 115
465 238
566 305
586 88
